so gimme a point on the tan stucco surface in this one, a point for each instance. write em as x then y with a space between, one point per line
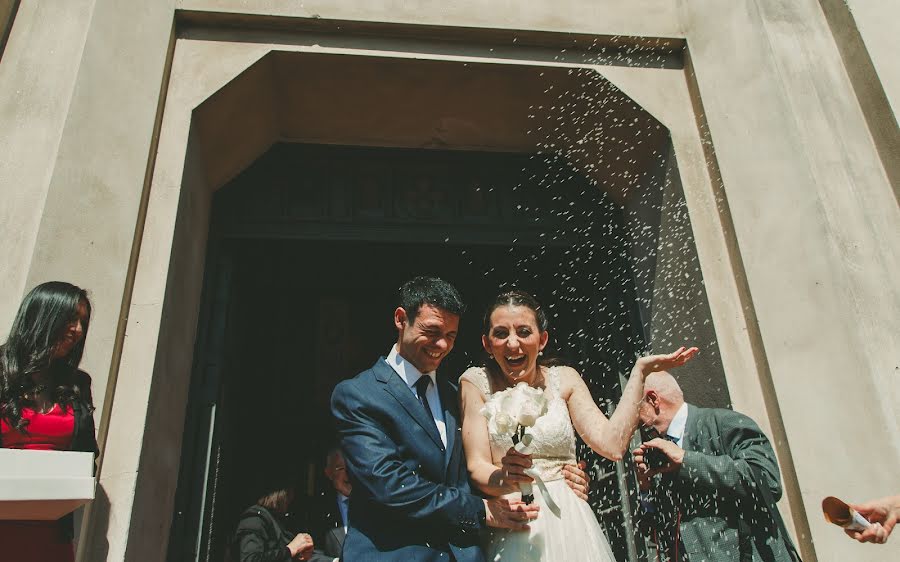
37 92
792 213
815 222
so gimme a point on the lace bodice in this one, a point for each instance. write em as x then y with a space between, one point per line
553 442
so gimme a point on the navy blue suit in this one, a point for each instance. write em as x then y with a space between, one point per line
411 498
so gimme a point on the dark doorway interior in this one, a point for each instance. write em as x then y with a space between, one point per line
306 300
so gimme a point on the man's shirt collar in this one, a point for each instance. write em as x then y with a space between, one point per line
407 370
679 422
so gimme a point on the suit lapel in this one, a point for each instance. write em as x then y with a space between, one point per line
689 443
395 386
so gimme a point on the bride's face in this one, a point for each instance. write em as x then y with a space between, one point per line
514 341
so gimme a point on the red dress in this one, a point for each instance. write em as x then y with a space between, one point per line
38 541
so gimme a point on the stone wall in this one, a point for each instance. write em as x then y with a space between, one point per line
780 121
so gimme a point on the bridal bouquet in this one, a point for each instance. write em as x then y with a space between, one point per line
510 412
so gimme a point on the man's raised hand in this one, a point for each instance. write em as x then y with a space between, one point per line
666 361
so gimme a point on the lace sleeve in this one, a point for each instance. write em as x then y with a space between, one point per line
479 378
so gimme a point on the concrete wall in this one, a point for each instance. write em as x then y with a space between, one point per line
787 178
37 92
78 124
815 220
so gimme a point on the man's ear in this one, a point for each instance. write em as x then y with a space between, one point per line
652 398
400 318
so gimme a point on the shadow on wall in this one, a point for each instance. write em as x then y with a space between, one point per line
8 9
98 514
680 313
672 297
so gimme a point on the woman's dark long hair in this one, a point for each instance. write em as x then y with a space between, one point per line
515 297
40 324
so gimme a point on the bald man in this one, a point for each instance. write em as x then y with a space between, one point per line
710 493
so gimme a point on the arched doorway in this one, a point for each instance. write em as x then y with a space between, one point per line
247 103
308 246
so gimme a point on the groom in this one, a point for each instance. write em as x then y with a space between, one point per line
400 433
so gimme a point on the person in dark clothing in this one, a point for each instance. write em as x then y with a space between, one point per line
262 532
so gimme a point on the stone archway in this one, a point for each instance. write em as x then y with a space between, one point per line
220 117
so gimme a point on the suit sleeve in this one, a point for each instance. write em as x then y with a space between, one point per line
373 460
746 451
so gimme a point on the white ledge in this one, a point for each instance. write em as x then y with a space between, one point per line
44 485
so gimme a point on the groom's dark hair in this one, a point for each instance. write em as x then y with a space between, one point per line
430 290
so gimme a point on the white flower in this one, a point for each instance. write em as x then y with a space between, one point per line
499 422
504 424
532 404
510 408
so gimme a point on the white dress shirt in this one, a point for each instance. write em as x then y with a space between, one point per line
676 432
411 376
679 422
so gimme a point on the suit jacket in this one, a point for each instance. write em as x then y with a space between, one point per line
333 542
715 498
411 497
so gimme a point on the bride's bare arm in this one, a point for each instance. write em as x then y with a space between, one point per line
487 477
610 437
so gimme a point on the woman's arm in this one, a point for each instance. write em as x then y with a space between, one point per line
486 477
610 437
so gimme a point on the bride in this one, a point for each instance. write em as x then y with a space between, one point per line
515 333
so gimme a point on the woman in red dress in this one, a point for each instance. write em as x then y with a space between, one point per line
45 403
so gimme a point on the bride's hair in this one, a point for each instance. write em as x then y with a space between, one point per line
516 297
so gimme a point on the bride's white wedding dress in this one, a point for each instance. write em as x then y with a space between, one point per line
569 535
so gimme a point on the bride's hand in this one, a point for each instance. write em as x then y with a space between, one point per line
655 363
513 467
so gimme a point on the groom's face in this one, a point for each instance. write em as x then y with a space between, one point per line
427 339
